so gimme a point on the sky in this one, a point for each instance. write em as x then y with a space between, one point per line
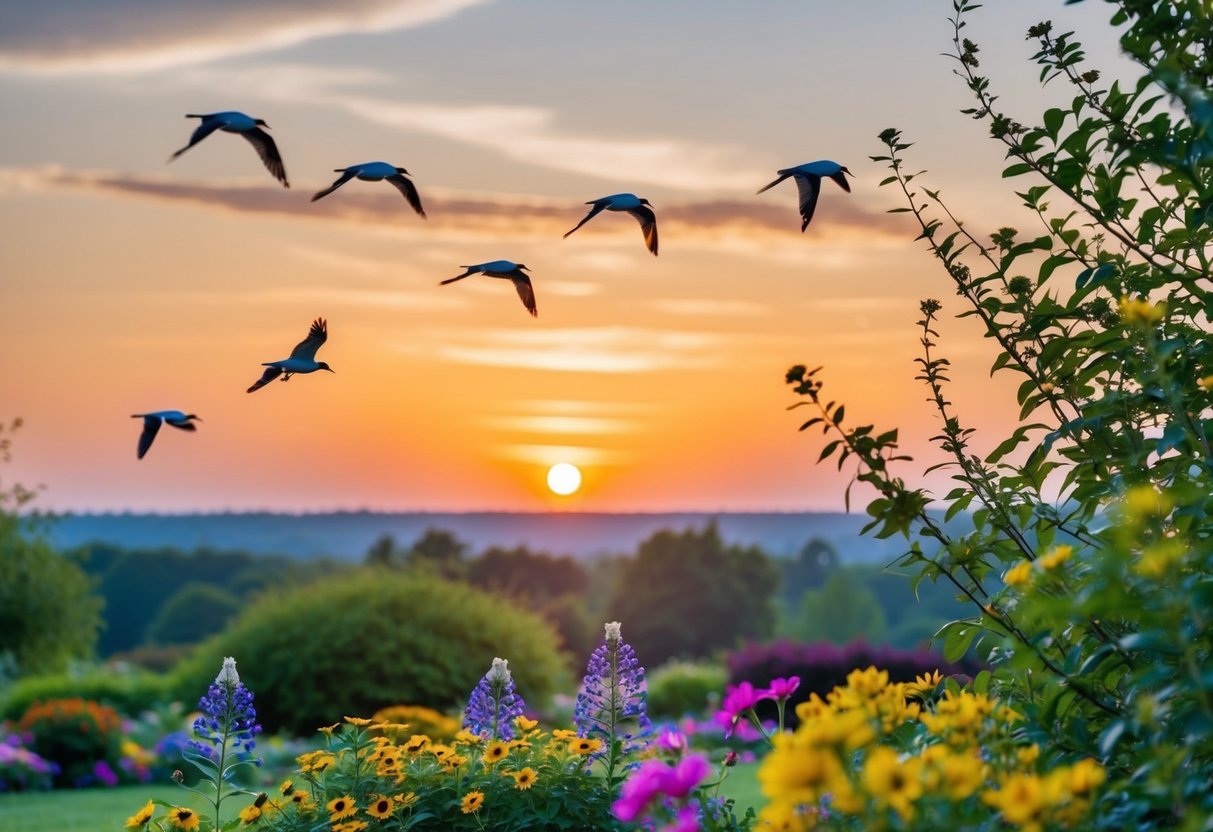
128 284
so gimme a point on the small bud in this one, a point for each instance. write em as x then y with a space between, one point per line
260 801
178 776
730 759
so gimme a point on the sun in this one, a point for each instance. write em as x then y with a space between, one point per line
564 478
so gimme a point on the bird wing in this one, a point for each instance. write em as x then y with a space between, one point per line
810 187
183 425
648 224
526 291
341 180
268 151
151 426
468 273
269 375
406 187
595 211
773 184
203 130
316 336
841 179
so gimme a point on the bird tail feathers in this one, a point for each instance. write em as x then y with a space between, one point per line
773 184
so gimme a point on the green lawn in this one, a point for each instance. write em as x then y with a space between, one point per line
105 810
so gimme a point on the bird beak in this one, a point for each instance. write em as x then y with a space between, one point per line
330 369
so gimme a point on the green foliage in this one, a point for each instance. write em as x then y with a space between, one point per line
367 640
75 734
130 693
808 570
521 573
727 591
438 551
577 630
191 614
841 611
48 613
1095 511
681 688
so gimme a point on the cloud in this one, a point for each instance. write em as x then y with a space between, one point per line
699 307
75 36
590 425
583 350
461 216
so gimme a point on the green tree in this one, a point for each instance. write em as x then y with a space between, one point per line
844 609
48 612
521 573
382 552
687 595
811 567
438 551
192 613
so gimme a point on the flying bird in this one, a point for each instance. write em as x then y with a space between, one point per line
376 172
509 270
247 126
634 205
302 360
808 180
153 421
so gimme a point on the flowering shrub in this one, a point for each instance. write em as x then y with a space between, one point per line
81 737
22 769
924 755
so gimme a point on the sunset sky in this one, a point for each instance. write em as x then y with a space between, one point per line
128 284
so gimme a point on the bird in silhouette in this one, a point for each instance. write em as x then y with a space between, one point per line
153 421
634 205
509 270
247 126
302 360
808 180
376 172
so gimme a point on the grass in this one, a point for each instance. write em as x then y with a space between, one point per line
105 810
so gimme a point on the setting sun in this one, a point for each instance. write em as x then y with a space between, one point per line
564 478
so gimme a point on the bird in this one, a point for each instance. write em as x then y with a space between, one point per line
514 272
376 172
234 122
153 421
302 360
639 208
808 180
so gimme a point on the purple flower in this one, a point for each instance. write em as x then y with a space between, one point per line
639 790
493 705
229 720
672 741
684 777
687 820
104 774
613 696
782 688
737 700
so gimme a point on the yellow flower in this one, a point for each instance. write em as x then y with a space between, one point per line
1022 800
1205 383
523 724
357 721
1084 777
453 761
584 746
141 817
350 826
523 779
329 729
314 761
466 736
1055 557
495 752
381 807
416 743
341 807
183 818
796 771
1019 574
1158 559
301 797
1140 312
893 782
564 734
286 787
1028 755
405 799
924 683
250 815
962 775
1144 501
472 801
781 816
441 751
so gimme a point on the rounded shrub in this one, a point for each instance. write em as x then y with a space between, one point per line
680 688
354 644
80 736
130 693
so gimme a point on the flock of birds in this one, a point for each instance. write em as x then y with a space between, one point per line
302 359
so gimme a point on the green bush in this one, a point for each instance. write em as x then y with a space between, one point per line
354 644
191 614
129 693
679 688
75 734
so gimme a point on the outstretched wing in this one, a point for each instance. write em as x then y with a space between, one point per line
773 184
648 224
525 291
595 211
406 187
268 151
269 375
841 179
151 426
810 187
316 336
341 180
183 425
203 130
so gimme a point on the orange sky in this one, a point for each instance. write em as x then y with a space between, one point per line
131 285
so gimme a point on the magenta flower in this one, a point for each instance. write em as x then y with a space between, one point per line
639 790
672 741
783 688
682 779
737 700
686 821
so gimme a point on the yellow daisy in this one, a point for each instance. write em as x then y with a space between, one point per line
350 826
286 787
141 817
250 815
416 743
357 721
524 779
523 724
183 818
564 734
584 746
405 799
342 807
381 808
472 801
301 797
496 752
464 735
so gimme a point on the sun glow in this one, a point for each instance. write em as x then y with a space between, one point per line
564 478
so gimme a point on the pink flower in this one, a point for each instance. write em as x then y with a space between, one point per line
783 688
639 790
687 821
674 741
737 700
682 779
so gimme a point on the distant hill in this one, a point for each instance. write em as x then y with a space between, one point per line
347 535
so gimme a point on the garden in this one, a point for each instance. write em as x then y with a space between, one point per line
1073 690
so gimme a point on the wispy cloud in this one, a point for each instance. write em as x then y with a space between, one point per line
588 425
459 215
699 307
583 350
551 454
140 36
